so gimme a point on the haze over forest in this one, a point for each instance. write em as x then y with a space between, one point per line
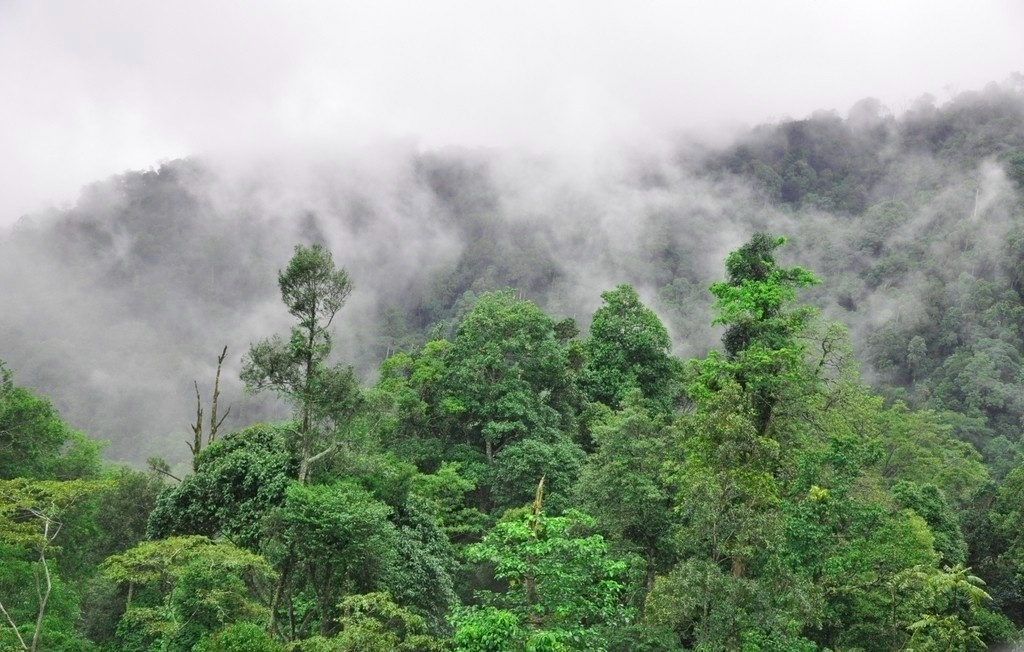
561 327
115 305
436 152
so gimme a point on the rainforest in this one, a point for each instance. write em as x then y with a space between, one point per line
762 395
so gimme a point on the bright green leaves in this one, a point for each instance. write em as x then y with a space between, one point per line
751 302
763 351
162 563
195 587
487 629
32 512
372 622
564 586
32 516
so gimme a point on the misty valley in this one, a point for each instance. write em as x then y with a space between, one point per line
762 395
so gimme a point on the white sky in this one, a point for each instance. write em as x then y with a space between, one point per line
90 88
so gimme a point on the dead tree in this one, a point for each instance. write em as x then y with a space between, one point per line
197 428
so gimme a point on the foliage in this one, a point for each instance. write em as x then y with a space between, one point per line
623 484
763 352
629 349
32 516
564 586
239 479
35 442
197 586
782 506
313 290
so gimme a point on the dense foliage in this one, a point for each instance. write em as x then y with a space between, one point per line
508 484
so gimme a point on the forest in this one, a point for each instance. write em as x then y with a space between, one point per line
763 396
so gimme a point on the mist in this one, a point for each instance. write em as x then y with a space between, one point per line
94 89
439 151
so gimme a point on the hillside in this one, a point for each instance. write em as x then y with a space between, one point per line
115 305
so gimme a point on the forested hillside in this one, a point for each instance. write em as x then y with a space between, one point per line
489 403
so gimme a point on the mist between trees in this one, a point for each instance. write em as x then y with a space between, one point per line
513 486
753 495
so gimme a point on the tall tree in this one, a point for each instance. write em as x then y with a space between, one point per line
314 290
507 394
763 353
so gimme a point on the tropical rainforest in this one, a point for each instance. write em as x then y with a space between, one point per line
764 396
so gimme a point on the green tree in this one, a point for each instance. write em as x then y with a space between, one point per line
372 622
32 516
732 586
189 587
341 541
628 348
564 586
35 442
239 480
506 393
314 290
623 483
239 637
763 352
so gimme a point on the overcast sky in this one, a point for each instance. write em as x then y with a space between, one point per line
92 88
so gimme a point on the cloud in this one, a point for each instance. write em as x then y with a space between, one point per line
95 88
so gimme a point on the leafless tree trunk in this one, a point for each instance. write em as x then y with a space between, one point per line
197 427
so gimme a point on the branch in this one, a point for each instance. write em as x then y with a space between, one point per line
197 429
13 626
44 598
168 474
214 431
329 449
214 424
158 465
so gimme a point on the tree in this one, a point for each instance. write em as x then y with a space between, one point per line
629 348
507 394
342 542
32 516
763 353
622 484
314 290
239 479
194 587
35 442
373 622
565 586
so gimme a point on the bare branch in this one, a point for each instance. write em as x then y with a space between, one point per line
214 424
197 428
220 422
43 599
326 451
13 626
168 474
158 465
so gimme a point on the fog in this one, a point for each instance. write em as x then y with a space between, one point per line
550 148
93 89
